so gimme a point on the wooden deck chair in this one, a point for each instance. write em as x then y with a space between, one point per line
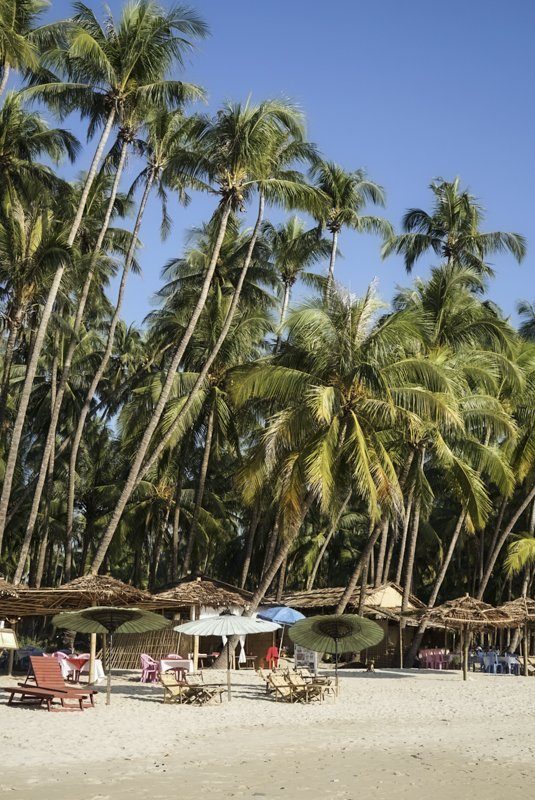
281 688
311 678
31 695
264 677
304 692
48 675
173 691
201 693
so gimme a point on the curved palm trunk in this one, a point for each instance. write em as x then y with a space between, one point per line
8 361
403 543
417 640
284 309
5 77
132 478
271 545
332 261
282 579
231 313
31 369
502 539
411 553
250 543
175 544
382 555
364 559
105 360
56 411
200 490
332 530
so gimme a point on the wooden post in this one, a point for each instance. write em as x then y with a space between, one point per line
526 649
92 655
401 644
104 650
193 615
466 644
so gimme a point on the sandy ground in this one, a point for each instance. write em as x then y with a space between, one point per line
389 734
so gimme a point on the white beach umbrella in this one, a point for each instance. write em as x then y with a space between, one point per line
226 625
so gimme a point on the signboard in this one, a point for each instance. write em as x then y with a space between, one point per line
304 658
8 639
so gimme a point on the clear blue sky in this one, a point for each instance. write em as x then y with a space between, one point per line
408 90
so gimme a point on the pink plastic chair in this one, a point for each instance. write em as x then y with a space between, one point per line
149 669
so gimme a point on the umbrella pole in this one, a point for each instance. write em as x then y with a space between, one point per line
336 664
108 685
229 690
525 648
465 653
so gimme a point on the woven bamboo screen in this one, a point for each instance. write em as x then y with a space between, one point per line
128 647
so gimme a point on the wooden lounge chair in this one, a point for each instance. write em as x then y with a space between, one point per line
48 675
309 677
200 692
282 690
264 677
173 691
31 695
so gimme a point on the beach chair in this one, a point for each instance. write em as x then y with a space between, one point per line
32 695
47 674
200 693
306 691
309 676
173 691
265 678
149 669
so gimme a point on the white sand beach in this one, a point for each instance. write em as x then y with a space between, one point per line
389 734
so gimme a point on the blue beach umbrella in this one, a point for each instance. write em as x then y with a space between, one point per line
283 615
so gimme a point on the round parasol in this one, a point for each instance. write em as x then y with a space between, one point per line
283 615
228 625
336 633
110 620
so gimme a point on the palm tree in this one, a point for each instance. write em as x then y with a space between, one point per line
106 68
246 149
17 48
452 231
168 135
527 312
346 195
294 251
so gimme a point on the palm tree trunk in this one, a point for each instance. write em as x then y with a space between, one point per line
332 261
284 309
364 584
388 561
502 539
382 555
282 579
56 411
253 525
409 567
33 361
176 528
364 557
105 359
417 640
403 543
271 545
14 328
200 490
5 76
332 530
229 318
132 478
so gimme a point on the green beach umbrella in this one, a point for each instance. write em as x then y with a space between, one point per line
110 620
336 633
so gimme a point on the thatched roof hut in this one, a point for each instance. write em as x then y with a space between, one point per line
468 612
202 592
382 601
78 593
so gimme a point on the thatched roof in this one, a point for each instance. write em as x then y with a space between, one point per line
76 594
384 600
202 591
7 589
522 609
470 612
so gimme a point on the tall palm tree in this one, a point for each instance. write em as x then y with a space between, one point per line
452 230
246 149
18 50
168 136
527 312
294 251
346 194
105 67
